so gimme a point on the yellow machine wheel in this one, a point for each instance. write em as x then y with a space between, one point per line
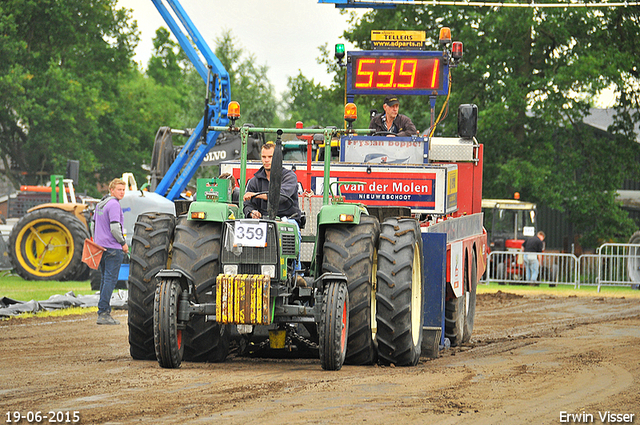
46 244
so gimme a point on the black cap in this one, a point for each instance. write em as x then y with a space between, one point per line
391 100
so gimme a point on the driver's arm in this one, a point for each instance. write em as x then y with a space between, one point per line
249 195
406 126
288 190
248 201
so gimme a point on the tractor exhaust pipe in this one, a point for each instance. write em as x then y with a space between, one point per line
275 181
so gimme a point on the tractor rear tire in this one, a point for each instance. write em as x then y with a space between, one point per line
351 249
95 277
46 244
167 337
196 252
400 294
150 246
470 308
334 326
84 273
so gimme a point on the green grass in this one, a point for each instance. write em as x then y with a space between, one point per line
562 290
15 287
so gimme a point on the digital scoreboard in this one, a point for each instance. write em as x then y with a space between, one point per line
397 72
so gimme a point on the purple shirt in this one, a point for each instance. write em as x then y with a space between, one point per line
106 214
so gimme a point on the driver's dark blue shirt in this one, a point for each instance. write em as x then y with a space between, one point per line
288 206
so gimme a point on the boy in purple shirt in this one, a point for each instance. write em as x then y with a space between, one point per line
108 233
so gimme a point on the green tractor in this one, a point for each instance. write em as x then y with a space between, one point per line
220 275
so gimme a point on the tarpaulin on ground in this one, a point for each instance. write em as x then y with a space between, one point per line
10 307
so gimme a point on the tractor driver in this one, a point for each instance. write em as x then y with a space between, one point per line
391 121
255 200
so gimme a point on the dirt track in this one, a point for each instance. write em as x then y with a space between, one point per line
530 359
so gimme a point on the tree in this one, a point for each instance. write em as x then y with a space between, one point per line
63 64
178 82
249 83
311 103
168 62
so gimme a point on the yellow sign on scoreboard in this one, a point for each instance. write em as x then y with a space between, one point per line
393 40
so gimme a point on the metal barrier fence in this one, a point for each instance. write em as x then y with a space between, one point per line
508 267
616 263
612 265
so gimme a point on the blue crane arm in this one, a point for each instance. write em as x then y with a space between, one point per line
218 85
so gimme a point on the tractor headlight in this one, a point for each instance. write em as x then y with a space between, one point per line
231 269
346 217
269 270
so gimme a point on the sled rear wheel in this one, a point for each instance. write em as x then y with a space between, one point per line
455 314
470 300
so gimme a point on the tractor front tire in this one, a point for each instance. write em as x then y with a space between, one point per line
334 326
196 251
399 294
149 254
167 336
351 249
46 244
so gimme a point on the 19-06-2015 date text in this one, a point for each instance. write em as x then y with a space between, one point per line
43 417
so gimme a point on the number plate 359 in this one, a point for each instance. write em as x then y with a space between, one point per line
250 233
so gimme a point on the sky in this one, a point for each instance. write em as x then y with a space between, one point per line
282 34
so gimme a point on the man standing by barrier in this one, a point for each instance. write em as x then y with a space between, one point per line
108 234
533 248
